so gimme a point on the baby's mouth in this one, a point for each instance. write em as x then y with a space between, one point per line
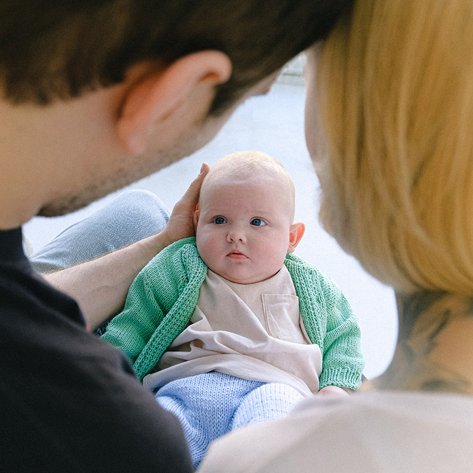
235 254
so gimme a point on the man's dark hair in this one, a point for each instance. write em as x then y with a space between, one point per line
58 49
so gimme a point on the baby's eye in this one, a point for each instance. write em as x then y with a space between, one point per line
219 220
258 222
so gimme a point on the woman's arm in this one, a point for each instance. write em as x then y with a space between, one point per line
100 286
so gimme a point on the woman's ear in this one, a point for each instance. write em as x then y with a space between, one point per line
296 233
161 92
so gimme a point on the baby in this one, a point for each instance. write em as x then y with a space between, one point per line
229 327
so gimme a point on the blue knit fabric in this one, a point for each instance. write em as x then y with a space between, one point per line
212 404
131 216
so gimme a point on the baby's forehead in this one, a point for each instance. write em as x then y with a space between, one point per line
250 169
270 182
271 190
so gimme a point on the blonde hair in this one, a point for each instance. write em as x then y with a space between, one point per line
251 165
395 97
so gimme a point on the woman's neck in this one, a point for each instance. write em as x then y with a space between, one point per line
434 351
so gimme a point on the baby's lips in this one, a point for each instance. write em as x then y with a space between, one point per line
236 254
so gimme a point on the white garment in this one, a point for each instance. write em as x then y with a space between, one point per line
253 331
367 432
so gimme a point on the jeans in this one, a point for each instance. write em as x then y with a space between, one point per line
132 216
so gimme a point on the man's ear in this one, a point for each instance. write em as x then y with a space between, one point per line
159 93
296 232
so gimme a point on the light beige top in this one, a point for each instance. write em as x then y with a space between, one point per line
253 331
367 432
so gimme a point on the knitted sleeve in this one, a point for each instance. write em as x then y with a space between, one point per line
343 362
151 297
329 322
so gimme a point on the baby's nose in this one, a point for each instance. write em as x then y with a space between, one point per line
236 235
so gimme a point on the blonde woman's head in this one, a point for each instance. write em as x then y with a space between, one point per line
394 87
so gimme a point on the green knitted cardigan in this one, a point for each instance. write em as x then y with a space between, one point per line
162 299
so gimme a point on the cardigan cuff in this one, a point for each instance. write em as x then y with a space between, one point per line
341 377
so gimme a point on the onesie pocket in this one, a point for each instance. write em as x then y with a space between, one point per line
282 317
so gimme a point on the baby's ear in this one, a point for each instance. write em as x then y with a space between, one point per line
296 233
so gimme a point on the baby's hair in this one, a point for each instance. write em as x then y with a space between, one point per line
246 163
395 95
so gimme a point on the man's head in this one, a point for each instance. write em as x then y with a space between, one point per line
53 49
98 94
244 222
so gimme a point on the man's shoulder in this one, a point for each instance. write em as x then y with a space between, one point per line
70 402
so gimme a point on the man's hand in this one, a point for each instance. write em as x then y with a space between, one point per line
100 286
181 224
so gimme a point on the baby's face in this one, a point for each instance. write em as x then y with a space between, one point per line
243 228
